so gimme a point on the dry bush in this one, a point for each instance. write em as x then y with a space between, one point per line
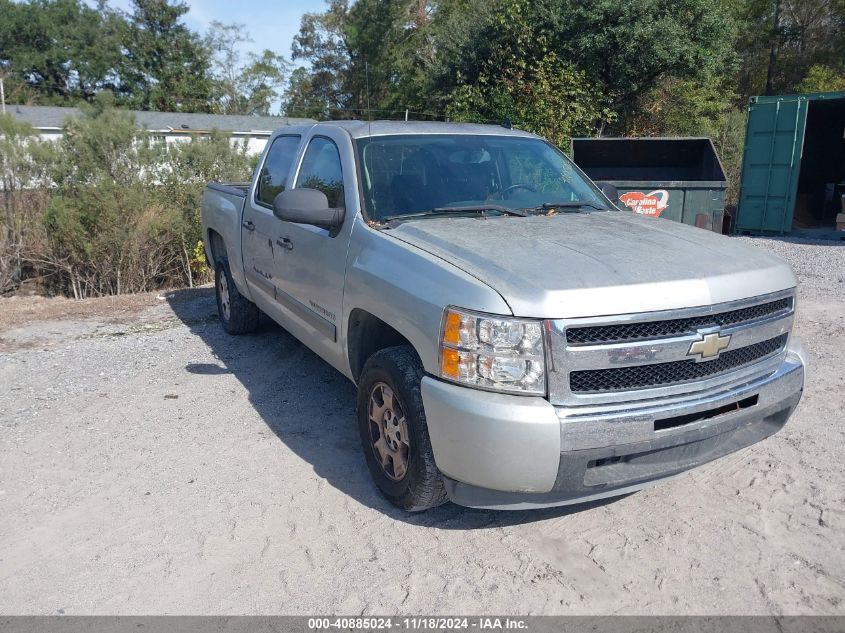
107 210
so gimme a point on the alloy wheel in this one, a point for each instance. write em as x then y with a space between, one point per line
223 290
389 435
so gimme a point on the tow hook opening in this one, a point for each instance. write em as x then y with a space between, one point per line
689 418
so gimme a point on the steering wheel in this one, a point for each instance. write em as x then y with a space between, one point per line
504 192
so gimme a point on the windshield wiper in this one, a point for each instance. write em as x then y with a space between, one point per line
474 208
569 205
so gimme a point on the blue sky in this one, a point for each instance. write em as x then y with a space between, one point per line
270 24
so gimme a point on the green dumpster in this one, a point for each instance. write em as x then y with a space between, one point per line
680 179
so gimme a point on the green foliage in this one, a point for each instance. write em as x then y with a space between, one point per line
198 265
678 107
166 62
19 154
728 135
303 98
550 98
522 79
444 57
185 170
63 51
629 46
104 230
22 169
243 88
781 41
121 213
326 89
823 79
58 51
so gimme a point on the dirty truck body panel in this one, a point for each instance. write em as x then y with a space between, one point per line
663 346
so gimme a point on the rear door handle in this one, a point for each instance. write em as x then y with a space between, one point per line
249 225
285 243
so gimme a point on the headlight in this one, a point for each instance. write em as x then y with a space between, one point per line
490 352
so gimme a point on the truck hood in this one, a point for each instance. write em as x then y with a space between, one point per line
592 264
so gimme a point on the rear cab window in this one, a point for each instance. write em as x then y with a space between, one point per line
272 179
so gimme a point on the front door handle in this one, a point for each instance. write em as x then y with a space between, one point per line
249 225
285 243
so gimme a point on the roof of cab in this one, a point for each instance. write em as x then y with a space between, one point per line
363 129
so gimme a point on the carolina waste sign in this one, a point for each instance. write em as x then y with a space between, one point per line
651 204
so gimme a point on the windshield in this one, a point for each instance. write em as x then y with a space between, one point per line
420 173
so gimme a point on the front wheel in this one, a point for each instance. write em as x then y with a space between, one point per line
394 433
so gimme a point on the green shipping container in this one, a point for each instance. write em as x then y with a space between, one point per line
793 171
680 179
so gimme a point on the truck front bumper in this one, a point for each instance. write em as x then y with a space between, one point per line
512 452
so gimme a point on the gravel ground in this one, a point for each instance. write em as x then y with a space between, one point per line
152 464
819 264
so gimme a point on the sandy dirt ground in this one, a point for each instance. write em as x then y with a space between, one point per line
151 464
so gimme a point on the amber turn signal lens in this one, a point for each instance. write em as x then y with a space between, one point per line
452 328
449 361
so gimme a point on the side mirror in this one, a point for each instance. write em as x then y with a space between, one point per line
610 191
307 206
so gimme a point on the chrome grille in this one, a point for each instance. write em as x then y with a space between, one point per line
628 357
660 374
624 332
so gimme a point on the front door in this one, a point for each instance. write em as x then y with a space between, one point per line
260 226
311 270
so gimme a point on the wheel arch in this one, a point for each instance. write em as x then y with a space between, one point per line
368 334
216 247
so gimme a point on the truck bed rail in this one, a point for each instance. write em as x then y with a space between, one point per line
232 188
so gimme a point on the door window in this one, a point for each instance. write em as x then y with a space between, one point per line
321 170
274 172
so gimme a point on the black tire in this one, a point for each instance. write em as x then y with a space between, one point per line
242 314
421 487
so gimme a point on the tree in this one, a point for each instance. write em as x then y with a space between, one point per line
522 80
323 43
553 99
167 65
630 46
243 88
59 51
679 107
366 59
301 98
417 53
782 40
823 79
384 55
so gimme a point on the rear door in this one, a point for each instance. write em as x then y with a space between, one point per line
771 164
260 226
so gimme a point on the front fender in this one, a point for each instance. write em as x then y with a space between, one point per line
408 289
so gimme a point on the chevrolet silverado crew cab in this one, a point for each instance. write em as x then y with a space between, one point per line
516 340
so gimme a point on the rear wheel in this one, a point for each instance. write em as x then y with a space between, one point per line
238 314
394 433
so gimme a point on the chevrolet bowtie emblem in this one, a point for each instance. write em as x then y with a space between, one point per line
710 346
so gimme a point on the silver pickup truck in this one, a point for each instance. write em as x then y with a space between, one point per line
516 340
